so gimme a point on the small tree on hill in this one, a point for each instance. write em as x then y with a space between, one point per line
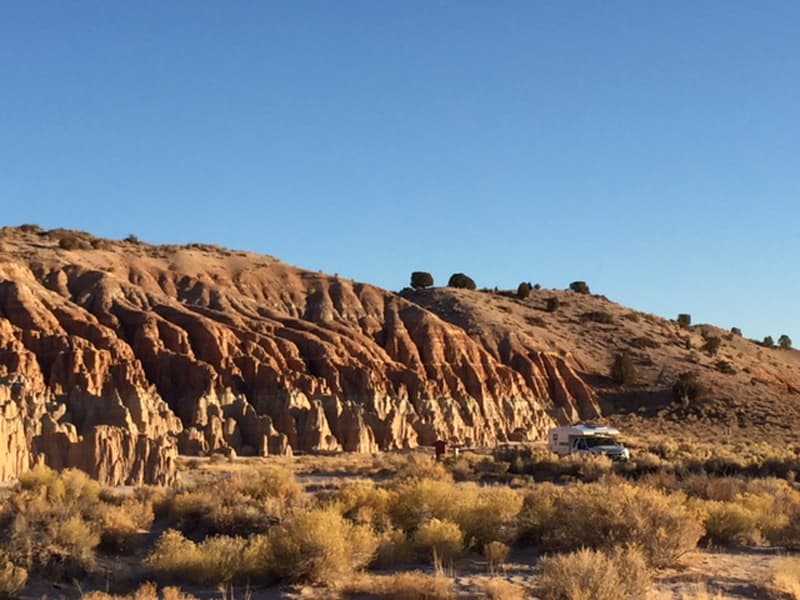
421 280
768 342
552 304
736 331
785 342
459 280
623 370
579 287
684 320
524 290
687 389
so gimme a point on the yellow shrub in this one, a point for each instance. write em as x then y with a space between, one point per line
321 546
439 539
592 575
496 554
501 589
219 559
12 577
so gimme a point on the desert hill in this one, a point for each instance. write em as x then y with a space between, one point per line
117 355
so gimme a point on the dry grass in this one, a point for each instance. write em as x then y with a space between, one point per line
593 575
146 591
497 588
411 585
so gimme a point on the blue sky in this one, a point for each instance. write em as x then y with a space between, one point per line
651 149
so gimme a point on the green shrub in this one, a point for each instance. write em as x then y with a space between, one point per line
579 287
321 546
768 342
524 290
552 304
421 280
736 331
459 280
684 320
785 342
598 317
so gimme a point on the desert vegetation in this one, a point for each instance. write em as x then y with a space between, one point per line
403 526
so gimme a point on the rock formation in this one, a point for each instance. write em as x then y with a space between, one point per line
116 355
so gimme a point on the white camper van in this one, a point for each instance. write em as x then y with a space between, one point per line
586 439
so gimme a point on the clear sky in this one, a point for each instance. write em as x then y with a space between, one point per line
649 148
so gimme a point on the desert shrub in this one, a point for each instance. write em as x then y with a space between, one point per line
712 344
484 514
524 290
100 244
71 242
120 524
579 287
321 546
459 280
623 370
132 239
786 576
440 539
687 389
253 501
785 342
593 575
768 342
31 228
49 524
736 331
394 548
598 316
684 320
421 467
496 553
552 304
146 591
731 524
364 503
12 577
421 280
609 514
217 559
410 585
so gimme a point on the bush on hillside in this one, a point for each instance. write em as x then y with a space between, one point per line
524 290
712 345
684 320
785 342
421 280
768 342
623 370
579 287
552 304
459 280
598 316
688 389
736 331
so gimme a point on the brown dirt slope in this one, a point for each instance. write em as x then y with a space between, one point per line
751 392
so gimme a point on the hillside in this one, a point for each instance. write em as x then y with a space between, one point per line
117 355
